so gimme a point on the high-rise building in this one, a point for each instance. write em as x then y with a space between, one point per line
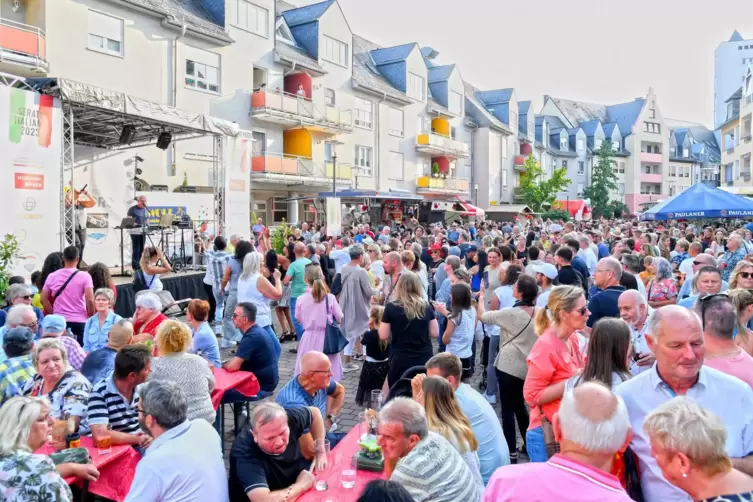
731 60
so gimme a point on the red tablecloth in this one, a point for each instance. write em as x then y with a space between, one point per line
243 381
343 452
116 469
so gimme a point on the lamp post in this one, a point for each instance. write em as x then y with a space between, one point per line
333 146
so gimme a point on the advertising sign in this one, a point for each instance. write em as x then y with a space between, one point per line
237 156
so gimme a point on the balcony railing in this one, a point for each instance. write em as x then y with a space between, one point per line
292 110
279 168
517 194
23 44
438 144
651 157
651 178
441 185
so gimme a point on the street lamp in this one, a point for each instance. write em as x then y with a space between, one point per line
333 145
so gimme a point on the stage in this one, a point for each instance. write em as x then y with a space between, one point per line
182 285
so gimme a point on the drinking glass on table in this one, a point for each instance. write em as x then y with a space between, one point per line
104 441
348 472
377 399
321 446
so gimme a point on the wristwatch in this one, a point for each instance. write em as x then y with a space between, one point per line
331 418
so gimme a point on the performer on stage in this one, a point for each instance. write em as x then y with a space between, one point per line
81 201
139 214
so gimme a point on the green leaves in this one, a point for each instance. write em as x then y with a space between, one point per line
10 252
538 192
602 181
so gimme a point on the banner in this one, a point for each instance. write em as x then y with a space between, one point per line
30 146
237 157
334 216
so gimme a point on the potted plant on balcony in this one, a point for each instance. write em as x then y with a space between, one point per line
435 169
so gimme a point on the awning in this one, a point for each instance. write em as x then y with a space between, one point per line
372 194
470 209
572 206
510 208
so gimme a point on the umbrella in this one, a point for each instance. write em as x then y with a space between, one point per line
701 201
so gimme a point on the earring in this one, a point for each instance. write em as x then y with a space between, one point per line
684 474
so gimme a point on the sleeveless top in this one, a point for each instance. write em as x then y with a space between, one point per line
248 292
152 282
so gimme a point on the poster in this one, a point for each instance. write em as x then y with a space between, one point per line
237 157
30 147
334 216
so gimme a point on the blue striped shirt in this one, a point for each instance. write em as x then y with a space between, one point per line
293 395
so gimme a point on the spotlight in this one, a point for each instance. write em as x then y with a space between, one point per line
127 135
163 141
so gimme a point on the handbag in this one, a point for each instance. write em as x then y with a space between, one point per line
334 340
552 446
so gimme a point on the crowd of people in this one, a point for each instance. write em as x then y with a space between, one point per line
620 353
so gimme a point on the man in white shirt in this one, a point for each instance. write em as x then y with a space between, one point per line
340 255
588 256
544 274
686 266
184 461
676 337
634 310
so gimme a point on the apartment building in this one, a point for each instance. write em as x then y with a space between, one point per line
694 157
731 61
735 133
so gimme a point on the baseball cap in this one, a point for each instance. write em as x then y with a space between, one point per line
547 269
18 335
53 324
471 248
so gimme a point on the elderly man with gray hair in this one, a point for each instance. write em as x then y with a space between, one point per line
591 427
355 299
634 310
185 458
424 462
266 462
606 277
19 316
675 335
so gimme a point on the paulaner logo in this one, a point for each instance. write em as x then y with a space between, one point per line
744 212
25 121
687 214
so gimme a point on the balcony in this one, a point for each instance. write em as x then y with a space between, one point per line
23 45
290 110
519 163
517 194
651 157
651 178
438 144
289 169
438 185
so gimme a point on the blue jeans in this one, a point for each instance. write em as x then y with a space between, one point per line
296 324
229 331
535 445
334 438
218 308
275 341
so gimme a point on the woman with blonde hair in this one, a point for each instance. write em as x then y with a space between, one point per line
409 323
743 301
189 371
149 268
254 288
314 309
718 245
689 445
444 416
742 275
377 265
553 360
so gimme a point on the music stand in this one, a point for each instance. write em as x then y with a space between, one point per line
126 223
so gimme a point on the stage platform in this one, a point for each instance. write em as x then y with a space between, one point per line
182 285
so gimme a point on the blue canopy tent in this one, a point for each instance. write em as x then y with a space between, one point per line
701 201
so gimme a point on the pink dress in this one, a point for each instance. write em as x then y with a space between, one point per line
313 318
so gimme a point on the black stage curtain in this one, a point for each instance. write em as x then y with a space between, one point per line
181 286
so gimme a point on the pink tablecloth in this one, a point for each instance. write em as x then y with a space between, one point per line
342 454
243 381
116 469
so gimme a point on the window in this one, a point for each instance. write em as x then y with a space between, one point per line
105 33
456 103
652 127
580 189
363 113
513 119
329 97
652 113
283 34
202 70
453 132
563 143
597 144
279 209
249 17
504 146
581 167
396 122
396 166
616 145
504 178
622 167
621 188
335 51
581 145
416 87
363 158
564 164
673 170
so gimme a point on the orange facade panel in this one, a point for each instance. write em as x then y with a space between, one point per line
23 41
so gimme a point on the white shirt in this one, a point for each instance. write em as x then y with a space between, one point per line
341 257
543 298
686 267
182 465
638 340
641 286
590 258
728 397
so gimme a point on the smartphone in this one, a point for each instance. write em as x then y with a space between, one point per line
637 356
486 279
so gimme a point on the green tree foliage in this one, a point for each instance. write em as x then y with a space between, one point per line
539 193
556 215
615 209
10 253
279 236
602 181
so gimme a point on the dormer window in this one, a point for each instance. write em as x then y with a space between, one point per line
616 145
563 143
597 144
334 51
283 34
416 87
456 103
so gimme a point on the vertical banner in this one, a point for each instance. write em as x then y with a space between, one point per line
237 166
334 216
30 146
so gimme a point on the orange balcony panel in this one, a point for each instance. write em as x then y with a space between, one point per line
289 166
423 139
258 99
441 126
23 41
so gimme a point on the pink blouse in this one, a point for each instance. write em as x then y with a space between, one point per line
312 315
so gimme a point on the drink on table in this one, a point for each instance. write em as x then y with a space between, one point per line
104 444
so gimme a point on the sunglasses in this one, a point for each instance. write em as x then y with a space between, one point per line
582 311
746 275
695 262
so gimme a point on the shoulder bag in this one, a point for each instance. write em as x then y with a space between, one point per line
62 288
334 340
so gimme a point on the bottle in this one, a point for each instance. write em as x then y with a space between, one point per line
73 440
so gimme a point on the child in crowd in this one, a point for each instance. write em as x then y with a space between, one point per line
460 331
376 365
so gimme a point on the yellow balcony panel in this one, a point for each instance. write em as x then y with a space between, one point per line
344 171
423 182
441 126
423 139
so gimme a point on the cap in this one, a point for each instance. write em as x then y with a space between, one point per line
53 324
454 251
436 247
18 335
471 248
547 269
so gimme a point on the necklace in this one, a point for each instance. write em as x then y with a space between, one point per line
725 354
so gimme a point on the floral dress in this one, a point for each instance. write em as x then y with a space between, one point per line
661 290
26 477
70 396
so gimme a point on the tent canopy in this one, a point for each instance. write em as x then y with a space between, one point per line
572 206
701 201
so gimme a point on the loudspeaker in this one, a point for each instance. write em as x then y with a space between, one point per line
127 135
164 139
187 189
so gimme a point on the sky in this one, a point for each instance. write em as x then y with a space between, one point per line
600 51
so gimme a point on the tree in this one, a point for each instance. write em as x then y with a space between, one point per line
615 209
539 193
602 181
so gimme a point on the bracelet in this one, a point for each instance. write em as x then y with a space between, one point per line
288 494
